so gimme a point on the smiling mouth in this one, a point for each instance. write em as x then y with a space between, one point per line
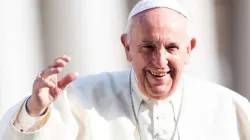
159 74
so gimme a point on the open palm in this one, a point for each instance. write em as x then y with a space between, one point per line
46 87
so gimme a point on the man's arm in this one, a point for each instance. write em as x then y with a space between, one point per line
57 123
31 120
14 126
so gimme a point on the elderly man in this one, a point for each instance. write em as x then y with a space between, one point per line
153 100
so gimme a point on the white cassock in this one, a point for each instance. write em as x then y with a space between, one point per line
99 107
109 106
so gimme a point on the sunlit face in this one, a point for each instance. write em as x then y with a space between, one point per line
158 49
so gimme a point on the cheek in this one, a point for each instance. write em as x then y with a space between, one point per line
177 62
140 60
174 59
140 64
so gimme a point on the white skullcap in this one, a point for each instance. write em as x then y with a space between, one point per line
149 4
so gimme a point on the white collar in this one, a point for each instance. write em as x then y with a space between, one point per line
138 97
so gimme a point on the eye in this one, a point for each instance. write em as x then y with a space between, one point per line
147 48
172 48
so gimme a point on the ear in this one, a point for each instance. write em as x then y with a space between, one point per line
190 48
124 40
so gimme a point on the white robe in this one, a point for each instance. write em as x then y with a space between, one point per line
98 107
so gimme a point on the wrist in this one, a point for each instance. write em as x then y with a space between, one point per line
33 109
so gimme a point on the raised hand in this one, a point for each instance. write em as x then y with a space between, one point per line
47 87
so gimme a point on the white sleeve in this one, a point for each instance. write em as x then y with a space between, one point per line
25 123
59 122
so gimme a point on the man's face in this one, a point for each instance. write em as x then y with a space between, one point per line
158 49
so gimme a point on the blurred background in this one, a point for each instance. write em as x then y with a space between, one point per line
34 32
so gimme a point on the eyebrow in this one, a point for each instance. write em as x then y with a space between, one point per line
146 41
170 44
173 44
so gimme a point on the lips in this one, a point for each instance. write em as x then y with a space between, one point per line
159 74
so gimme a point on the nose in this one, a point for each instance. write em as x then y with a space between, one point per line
160 58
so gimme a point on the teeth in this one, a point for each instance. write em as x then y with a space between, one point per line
158 73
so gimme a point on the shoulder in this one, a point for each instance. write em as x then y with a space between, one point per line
102 80
212 103
212 93
100 88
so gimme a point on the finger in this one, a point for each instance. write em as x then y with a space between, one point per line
64 81
49 71
60 61
39 84
49 84
55 92
64 57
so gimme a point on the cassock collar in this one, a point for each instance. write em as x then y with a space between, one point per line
138 97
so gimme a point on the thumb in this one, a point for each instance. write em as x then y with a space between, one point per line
65 80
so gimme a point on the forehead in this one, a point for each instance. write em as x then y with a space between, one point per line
159 23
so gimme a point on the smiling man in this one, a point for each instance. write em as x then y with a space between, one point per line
154 100
158 45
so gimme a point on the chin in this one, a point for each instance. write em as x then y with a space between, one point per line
159 93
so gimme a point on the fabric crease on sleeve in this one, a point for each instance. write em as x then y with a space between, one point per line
26 123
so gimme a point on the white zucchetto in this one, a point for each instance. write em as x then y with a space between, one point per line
150 4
